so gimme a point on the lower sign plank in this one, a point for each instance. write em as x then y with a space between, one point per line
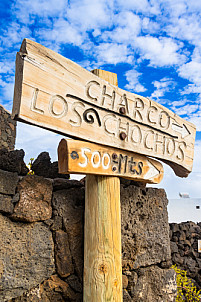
88 158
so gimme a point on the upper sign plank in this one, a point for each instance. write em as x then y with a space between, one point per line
56 93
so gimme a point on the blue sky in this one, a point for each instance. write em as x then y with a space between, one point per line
153 46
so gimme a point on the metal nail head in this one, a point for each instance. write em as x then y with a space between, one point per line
74 155
123 136
122 110
114 156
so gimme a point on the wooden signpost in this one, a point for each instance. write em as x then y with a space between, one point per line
55 93
102 235
86 158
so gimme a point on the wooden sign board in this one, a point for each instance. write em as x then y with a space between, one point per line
57 94
86 158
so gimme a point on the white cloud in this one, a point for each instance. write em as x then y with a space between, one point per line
61 32
196 120
179 103
6 92
191 88
174 9
186 27
187 109
160 51
162 86
96 32
127 27
27 10
88 15
150 26
132 77
143 6
6 67
112 53
14 34
191 71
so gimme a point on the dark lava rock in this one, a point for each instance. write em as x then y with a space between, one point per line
13 161
62 184
42 166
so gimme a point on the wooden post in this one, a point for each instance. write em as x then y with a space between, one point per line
102 241
102 234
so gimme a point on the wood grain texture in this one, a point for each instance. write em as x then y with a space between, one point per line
80 157
102 240
102 237
110 77
57 94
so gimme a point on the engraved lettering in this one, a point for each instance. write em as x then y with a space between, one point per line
123 103
164 119
33 102
170 146
138 106
86 160
152 109
77 114
110 97
89 92
123 127
181 154
93 157
109 126
106 161
149 139
136 135
89 118
122 158
159 139
131 164
58 106
140 165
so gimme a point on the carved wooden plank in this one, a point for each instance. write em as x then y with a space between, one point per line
56 93
86 158
102 240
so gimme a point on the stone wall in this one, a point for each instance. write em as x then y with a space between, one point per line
42 223
7 130
184 249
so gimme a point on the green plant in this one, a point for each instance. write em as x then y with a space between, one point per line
186 290
29 166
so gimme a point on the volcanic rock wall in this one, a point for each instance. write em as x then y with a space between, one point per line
7 130
184 249
42 222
